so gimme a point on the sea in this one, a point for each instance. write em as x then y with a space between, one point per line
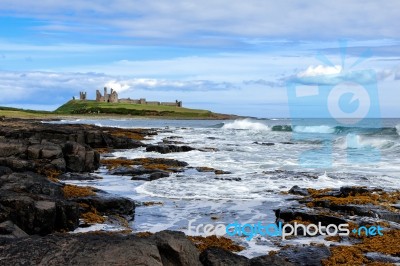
265 158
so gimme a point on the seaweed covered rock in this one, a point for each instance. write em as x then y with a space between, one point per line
35 204
162 148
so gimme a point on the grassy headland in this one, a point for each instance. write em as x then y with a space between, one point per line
76 108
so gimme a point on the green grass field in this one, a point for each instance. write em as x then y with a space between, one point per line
76 108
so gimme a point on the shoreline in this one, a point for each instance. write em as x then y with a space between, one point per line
35 158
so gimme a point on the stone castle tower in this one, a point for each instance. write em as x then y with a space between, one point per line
107 98
82 95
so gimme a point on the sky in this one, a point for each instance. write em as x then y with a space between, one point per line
239 57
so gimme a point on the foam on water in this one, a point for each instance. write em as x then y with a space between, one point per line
355 141
314 129
259 172
246 124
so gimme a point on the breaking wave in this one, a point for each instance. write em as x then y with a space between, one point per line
246 124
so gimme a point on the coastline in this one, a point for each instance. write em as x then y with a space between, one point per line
25 115
37 157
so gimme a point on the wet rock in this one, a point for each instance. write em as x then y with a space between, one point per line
351 191
80 158
168 148
107 204
296 190
307 215
81 249
176 249
228 179
158 175
264 143
35 204
78 176
305 255
270 260
380 257
133 171
220 257
9 230
209 169
5 170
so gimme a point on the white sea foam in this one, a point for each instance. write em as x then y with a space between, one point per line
314 129
354 141
398 129
246 124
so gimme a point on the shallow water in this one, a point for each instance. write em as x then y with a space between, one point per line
267 156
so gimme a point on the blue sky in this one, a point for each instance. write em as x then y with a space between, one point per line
226 56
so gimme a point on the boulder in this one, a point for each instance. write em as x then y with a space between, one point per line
215 256
79 158
35 204
107 204
296 190
168 148
176 249
305 255
9 230
270 260
80 249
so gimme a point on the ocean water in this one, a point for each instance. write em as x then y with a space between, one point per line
267 157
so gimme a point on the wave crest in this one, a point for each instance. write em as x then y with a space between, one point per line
354 141
246 124
314 129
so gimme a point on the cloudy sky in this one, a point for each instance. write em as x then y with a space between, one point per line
227 56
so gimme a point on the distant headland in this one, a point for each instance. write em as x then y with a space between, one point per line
112 97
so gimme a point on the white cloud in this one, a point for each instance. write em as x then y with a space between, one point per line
320 70
38 87
117 86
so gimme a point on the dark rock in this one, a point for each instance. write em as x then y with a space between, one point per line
5 170
35 204
296 190
270 260
168 148
176 249
264 143
352 191
380 257
307 215
229 179
108 204
78 176
80 158
220 257
305 255
81 249
133 171
9 230
158 175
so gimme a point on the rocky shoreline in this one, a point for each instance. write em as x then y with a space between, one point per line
37 210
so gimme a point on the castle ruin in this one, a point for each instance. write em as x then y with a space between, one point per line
82 96
112 97
107 98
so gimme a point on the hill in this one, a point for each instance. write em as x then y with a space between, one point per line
92 108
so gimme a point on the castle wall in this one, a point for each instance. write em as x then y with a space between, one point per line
113 98
153 103
169 103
